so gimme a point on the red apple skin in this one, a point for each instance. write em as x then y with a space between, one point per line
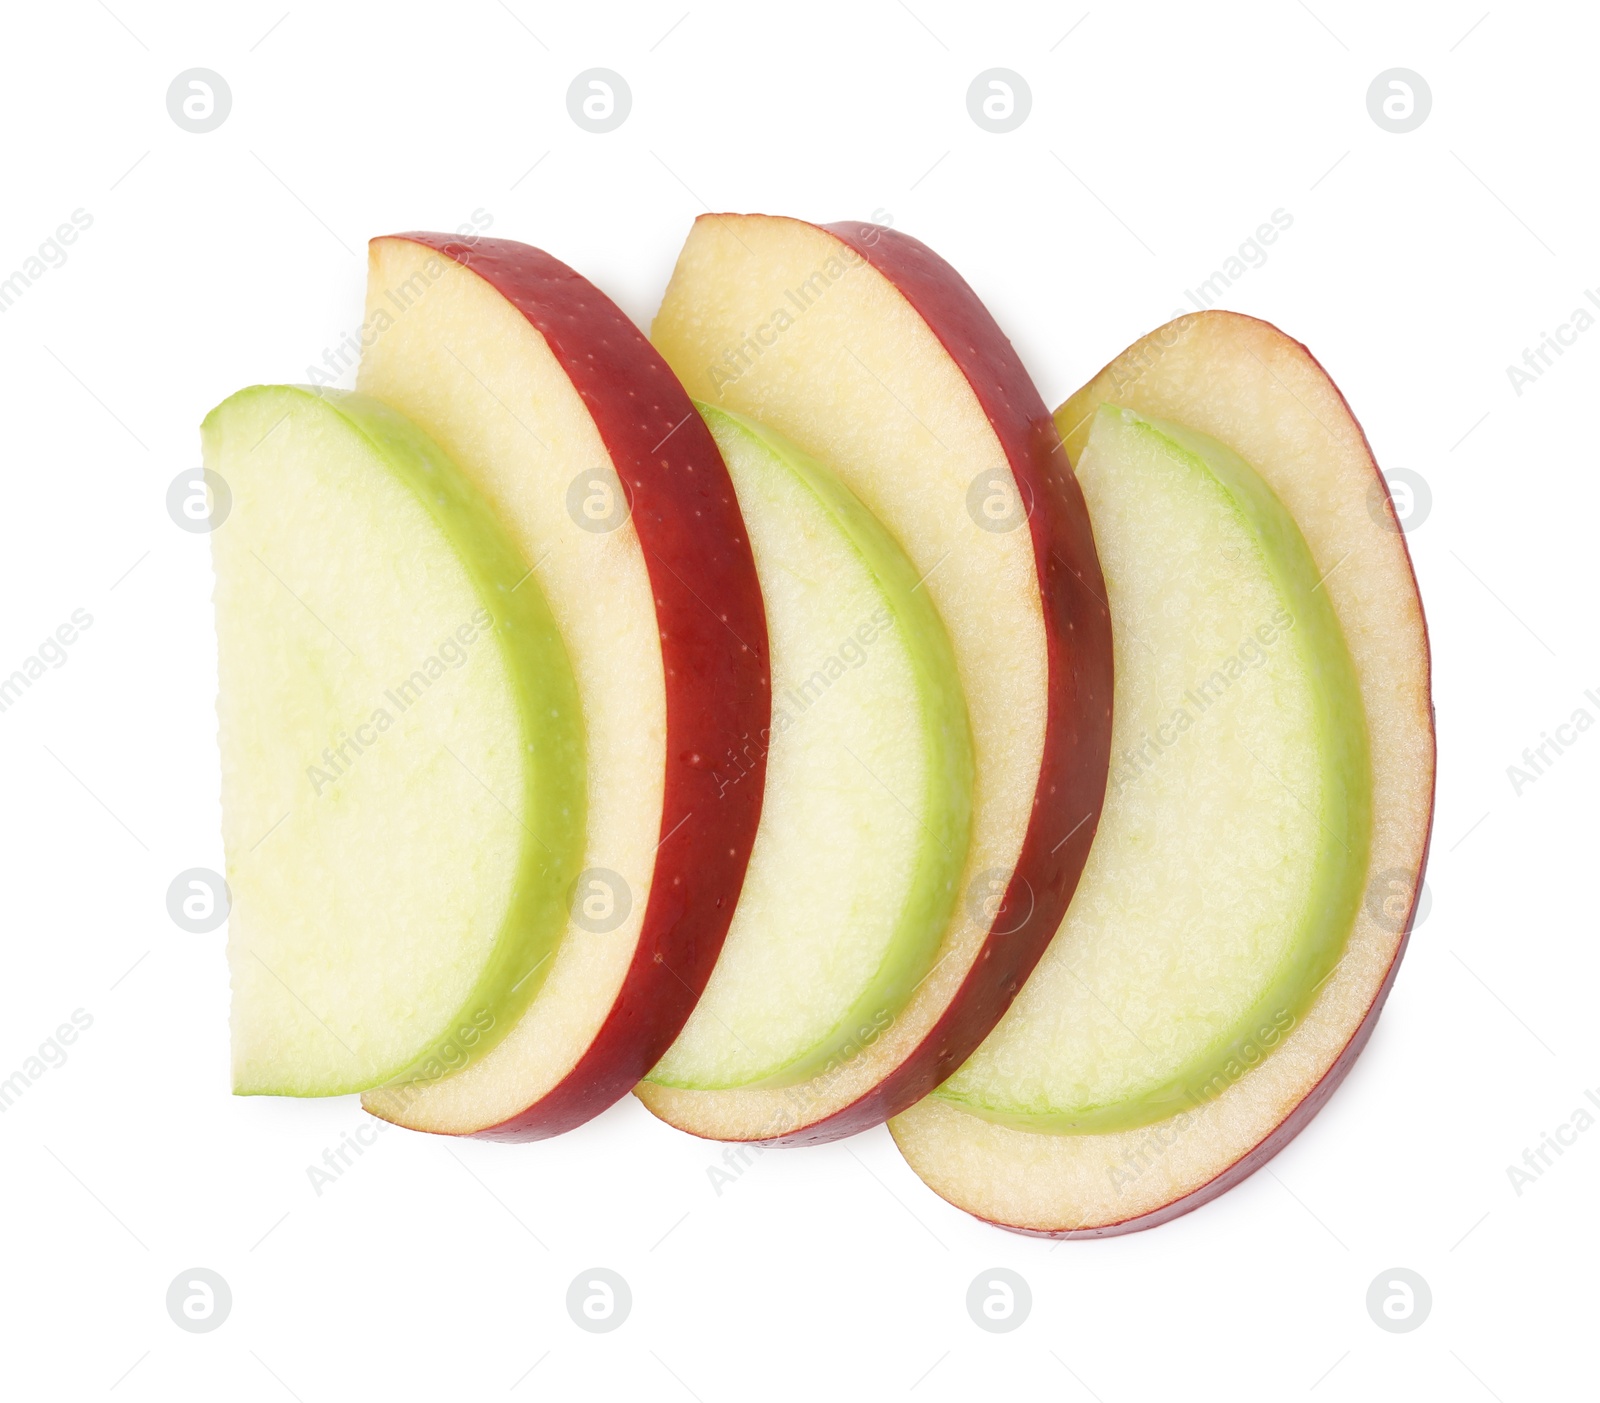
1077 624
715 661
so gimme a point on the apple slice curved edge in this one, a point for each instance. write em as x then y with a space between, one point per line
402 725
609 482
870 353
1245 383
1232 852
869 786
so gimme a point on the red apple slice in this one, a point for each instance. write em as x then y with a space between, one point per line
572 426
870 353
1248 385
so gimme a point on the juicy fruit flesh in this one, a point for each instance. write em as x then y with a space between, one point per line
401 752
868 787
1230 856
852 374
1245 383
468 367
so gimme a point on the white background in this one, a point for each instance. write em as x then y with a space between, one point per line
1417 267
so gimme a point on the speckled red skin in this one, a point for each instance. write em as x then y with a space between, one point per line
715 660
1077 626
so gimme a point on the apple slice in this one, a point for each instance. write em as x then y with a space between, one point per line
1231 854
868 801
572 426
402 762
867 351
1244 383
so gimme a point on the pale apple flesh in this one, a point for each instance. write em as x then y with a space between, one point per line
867 351
402 763
1247 385
868 800
609 483
1233 848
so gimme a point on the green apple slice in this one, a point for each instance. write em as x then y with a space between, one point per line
1230 859
868 800
402 753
